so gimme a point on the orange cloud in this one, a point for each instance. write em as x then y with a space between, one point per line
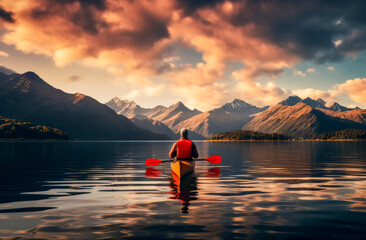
127 34
261 95
328 96
355 89
146 91
135 40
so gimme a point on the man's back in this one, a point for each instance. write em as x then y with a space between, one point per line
184 149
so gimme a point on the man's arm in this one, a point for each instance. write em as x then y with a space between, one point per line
194 151
173 151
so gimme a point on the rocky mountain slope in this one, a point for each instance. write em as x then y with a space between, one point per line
130 109
175 114
155 126
170 116
339 108
356 115
231 116
299 120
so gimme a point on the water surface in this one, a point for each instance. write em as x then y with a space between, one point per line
261 190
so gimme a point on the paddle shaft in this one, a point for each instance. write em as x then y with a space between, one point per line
198 159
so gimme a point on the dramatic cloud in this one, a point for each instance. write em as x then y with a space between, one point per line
129 35
327 96
137 40
331 68
306 28
203 97
355 89
6 16
261 95
146 91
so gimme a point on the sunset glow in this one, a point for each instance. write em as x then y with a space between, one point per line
204 53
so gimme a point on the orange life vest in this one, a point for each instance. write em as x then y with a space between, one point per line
184 149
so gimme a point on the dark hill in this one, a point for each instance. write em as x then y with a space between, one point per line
28 98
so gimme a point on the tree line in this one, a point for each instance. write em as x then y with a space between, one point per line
12 128
248 135
341 134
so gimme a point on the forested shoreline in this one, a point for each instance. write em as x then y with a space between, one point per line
241 135
248 135
15 129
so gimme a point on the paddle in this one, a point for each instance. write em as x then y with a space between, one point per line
153 161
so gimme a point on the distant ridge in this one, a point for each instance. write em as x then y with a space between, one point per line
300 120
130 108
175 114
291 101
29 98
238 114
319 103
229 117
169 116
339 108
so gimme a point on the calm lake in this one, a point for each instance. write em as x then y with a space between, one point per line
261 190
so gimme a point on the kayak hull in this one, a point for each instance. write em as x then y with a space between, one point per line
182 168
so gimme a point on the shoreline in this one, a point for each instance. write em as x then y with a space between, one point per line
290 140
32 139
206 140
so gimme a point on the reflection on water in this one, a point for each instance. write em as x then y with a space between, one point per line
184 189
261 190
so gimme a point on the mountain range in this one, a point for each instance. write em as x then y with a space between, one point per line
299 120
29 98
293 116
229 117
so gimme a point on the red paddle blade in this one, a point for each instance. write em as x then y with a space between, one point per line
152 172
214 159
152 162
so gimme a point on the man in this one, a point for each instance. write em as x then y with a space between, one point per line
184 149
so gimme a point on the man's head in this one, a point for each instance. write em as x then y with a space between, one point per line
184 133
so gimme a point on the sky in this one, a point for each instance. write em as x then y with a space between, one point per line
203 53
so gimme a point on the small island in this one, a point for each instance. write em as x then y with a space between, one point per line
15 129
